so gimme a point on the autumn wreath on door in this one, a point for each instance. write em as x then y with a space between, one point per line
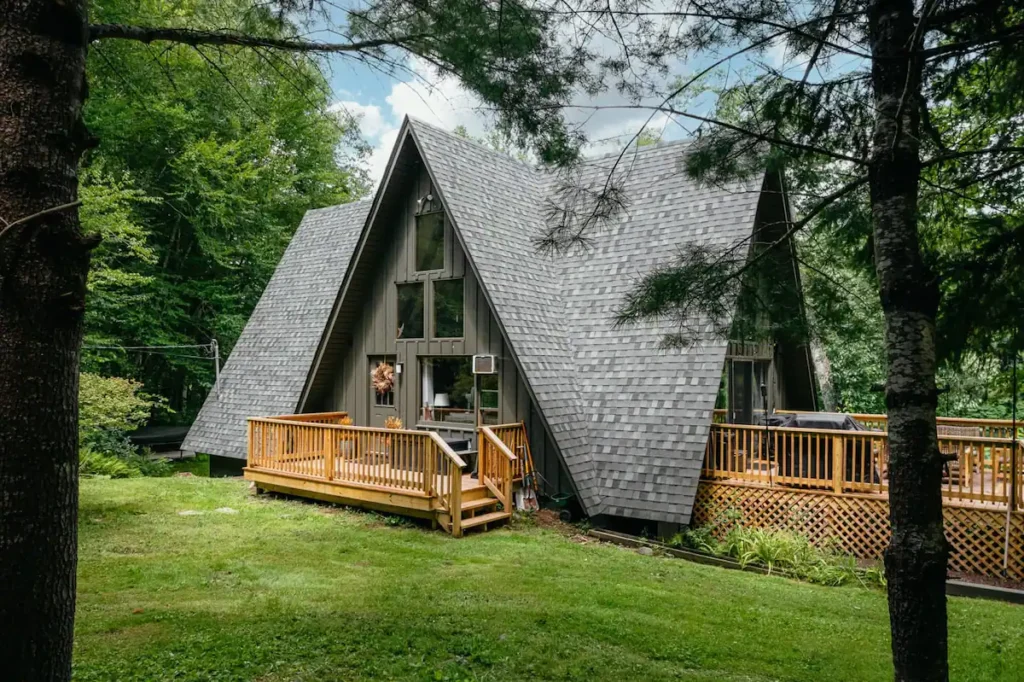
383 377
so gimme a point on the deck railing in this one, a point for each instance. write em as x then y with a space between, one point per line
315 417
988 428
981 470
514 438
496 466
399 460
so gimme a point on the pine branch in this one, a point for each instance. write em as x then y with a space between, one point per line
953 156
188 36
1006 36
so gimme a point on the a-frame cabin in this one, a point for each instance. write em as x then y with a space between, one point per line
433 306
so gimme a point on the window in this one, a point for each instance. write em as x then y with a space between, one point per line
386 399
488 391
448 390
449 313
430 241
410 311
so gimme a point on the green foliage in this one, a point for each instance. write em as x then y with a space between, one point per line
794 554
208 158
777 550
513 57
93 463
109 409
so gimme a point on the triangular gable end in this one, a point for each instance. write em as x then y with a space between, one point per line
484 263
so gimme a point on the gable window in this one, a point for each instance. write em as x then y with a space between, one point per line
430 241
410 311
449 308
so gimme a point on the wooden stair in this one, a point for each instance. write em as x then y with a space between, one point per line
479 510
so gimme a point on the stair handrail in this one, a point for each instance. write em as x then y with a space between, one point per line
450 497
502 467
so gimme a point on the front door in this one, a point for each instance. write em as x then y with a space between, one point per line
383 404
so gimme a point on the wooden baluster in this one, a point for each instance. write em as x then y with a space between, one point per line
428 470
397 472
456 481
506 469
329 454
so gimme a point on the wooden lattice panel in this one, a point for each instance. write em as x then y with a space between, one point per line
860 524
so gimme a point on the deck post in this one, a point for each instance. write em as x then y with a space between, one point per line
249 446
1014 474
456 510
328 449
838 463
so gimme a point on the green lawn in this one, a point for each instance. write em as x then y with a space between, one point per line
293 591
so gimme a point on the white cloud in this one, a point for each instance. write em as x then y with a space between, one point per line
446 103
371 119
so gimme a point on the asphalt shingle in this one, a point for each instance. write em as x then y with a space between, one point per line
630 418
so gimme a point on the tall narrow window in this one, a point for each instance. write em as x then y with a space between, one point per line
430 241
449 308
410 311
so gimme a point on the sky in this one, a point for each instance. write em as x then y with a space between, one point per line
381 101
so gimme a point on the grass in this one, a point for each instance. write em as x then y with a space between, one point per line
198 465
287 590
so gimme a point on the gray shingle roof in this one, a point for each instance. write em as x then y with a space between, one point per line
267 368
629 418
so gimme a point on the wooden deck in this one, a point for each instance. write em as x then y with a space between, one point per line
400 471
982 471
832 487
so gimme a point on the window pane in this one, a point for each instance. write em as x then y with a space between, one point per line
410 311
448 390
448 309
430 241
488 398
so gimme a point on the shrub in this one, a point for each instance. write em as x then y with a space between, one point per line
701 539
93 463
783 550
109 409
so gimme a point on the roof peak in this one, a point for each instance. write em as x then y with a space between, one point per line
538 167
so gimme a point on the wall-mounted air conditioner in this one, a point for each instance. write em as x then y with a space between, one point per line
485 364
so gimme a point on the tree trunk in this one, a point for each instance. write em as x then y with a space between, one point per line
915 561
43 267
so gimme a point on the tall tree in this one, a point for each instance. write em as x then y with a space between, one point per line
867 80
509 56
209 160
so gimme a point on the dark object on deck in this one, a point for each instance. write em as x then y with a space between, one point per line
159 438
836 421
805 456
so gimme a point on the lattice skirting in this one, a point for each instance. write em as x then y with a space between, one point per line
860 524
